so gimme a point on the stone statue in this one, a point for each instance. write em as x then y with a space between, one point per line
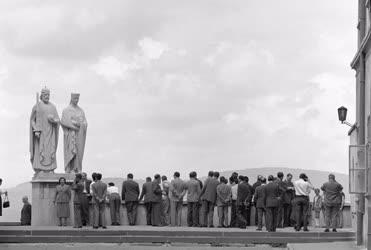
44 129
74 126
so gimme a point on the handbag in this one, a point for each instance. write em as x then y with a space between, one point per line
6 203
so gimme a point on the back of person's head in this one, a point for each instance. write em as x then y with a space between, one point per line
78 176
280 175
222 179
331 177
289 175
130 176
246 179
192 174
303 176
148 179
263 180
111 184
258 178
241 177
99 176
163 178
210 174
94 176
1 180
157 177
177 174
270 178
234 174
216 174
231 180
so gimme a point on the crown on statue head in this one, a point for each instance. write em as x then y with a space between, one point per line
45 90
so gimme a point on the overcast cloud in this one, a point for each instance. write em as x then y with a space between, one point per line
182 85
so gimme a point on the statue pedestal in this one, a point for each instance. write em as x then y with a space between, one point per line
44 212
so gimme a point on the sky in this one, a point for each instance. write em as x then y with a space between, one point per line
182 85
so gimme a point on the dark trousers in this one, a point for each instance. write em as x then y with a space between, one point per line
77 215
148 207
331 211
131 209
114 207
99 214
200 213
241 216
287 215
192 214
271 219
165 206
260 212
84 209
280 215
233 214
301 211
207 213
248 215
156 213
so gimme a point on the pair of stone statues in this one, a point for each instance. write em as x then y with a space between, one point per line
44 132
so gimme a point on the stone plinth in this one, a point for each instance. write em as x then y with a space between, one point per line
44 212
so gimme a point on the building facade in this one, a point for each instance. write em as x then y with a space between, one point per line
362 134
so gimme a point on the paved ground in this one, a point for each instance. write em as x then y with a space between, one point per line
104 246
325 246
79 246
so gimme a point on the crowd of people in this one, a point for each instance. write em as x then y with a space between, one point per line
278 201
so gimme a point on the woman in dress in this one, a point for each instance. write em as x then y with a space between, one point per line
62 198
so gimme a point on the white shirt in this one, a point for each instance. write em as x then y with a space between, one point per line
302 187
91 190
234 188
112 190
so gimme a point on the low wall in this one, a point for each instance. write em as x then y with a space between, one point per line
141 215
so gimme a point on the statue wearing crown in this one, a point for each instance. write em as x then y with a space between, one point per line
74 126
44 129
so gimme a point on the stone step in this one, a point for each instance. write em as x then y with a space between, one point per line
164 235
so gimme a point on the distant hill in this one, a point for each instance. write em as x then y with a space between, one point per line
316 177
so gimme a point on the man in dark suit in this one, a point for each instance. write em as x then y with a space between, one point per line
129 194
99 202
282 190
147 193
85 198
254 186
272 197
332 200
243 201
208 194
156 200
259 201
288 196
248 203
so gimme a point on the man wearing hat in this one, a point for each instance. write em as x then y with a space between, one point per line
74 126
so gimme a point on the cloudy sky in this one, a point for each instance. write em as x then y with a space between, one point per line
182 85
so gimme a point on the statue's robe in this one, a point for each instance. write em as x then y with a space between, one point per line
43 150
74 141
